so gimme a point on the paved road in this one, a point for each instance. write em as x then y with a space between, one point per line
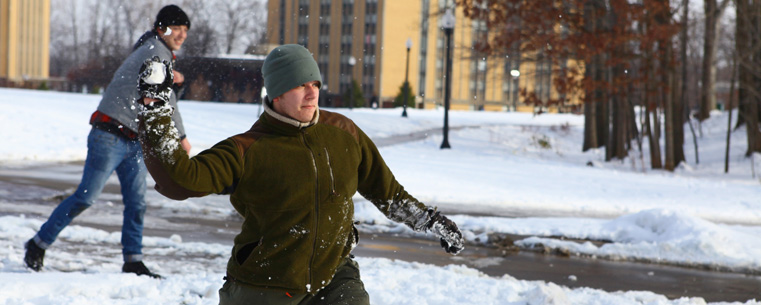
33 191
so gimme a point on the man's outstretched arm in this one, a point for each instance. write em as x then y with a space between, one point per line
178 176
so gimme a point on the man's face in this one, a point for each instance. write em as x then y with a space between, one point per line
299 103
174 36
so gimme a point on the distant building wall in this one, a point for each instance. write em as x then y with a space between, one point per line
375 33
24 40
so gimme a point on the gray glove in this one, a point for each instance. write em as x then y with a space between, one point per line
451 237
155 79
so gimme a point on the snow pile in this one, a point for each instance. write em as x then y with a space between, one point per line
665 236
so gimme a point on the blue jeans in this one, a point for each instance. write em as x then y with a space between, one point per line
106 153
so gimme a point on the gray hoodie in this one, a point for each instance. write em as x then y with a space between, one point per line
120 101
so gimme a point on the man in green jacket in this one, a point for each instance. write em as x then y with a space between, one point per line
292 177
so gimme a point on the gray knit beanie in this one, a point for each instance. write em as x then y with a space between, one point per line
287 67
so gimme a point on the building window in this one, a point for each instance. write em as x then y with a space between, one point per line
478 81
347 31
543 77
440 65
480 34
423 47
511 80
303 23
281 30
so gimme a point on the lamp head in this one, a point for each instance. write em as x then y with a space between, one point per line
448 20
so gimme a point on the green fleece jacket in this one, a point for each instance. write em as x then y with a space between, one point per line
293 184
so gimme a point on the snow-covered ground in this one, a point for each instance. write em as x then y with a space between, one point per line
513 164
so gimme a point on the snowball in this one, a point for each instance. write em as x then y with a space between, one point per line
157 75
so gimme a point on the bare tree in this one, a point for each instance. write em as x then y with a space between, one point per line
89 38
241 23
224 26
748 46
135 20
685 79
64 38
713 11
203 39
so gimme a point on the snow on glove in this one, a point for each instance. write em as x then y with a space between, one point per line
155 79
451 237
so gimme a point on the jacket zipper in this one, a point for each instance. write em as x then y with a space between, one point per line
330 169
316 211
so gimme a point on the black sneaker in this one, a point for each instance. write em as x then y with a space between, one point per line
34 255
140 269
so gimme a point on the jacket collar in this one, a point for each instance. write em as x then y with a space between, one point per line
289 121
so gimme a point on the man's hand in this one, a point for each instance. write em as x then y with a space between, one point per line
148 100
451 237
155 80
179 78
185 145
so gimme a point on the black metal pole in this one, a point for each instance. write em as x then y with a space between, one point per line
515 94
447 87
406 84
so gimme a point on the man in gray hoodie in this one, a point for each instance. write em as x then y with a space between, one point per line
113 145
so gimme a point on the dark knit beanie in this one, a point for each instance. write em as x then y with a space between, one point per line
287 67
171 15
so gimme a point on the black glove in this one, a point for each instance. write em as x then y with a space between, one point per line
155 79
451 237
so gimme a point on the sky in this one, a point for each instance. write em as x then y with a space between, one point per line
500 164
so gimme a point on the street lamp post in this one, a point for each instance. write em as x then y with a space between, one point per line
352 62
447 23
515 73
406 90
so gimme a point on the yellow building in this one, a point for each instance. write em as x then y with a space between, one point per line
375 33
24 40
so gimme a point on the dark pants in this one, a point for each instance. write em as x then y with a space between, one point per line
345 288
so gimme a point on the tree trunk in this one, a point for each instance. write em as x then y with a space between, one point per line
590 126
604 127
750 114
634 130
685 103
619 123
594 112
668 113
754 103
678 118
742 48
680 99
748 95
651 127
667 76
708 90
653 138
665 53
